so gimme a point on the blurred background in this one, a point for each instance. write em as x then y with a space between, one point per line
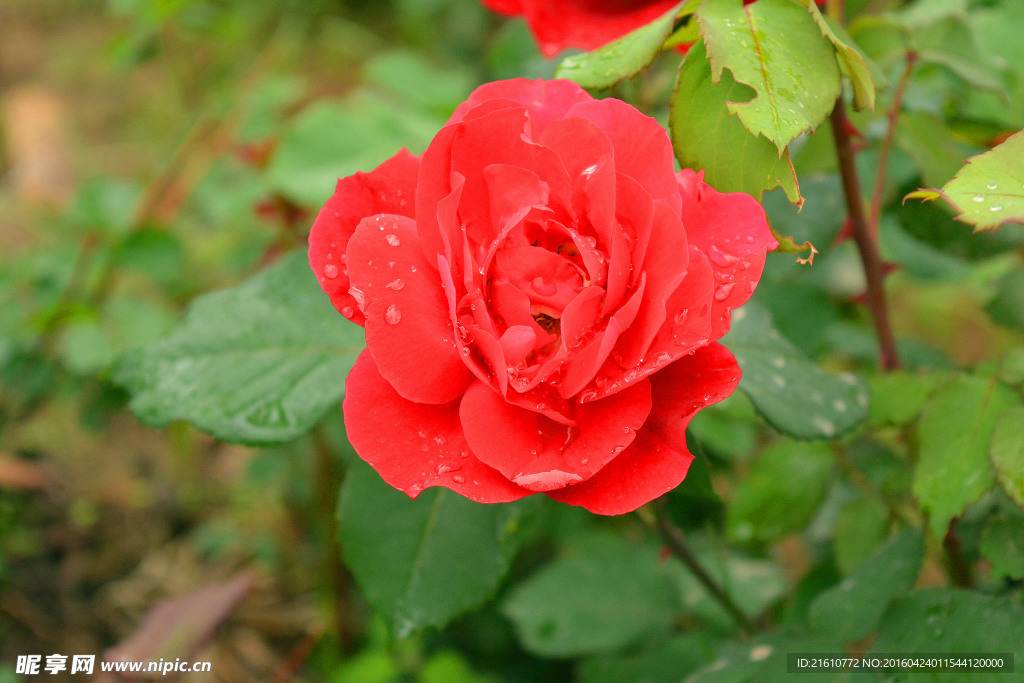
152 150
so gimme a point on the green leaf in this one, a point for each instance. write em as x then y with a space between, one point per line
622 58
423 562
1007 306
607 595
84 348
897 397
949 42
1002 543
793 394
707 137
853 609
260 362
851 61
936 620
860 527
1007 453
928 140
764 658
776 48
989 191
783 489
667 661
334 139
405 73
955 433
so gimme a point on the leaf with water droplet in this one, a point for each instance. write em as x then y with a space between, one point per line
955 433
852 610
257 363
1001 167
563 609
701 126
441 556
949 621
785 394
620 59
785 71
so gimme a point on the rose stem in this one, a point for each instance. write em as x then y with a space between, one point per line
867 244
893 116
676 543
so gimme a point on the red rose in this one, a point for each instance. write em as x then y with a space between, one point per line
585 24
541 294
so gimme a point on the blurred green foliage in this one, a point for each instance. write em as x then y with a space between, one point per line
840 505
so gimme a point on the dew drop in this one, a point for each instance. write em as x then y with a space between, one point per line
439 440
585 461
358 295
723 292
978 198
458 479
392 316
588 396
543 287
721 258
441 469
331 271
991 186
996 207
396 284
348 311
681 316
393 240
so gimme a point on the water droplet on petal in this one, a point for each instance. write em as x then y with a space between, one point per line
348 311
723 292
543 287
978 198
331 271
393 240
441 469
991 186
720 258
392 316
681 316
358 295
458 479
996 207
396 284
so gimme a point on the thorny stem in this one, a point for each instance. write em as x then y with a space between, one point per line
893 116
867 244
676 543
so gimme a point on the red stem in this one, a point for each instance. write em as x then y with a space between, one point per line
866 241
893 116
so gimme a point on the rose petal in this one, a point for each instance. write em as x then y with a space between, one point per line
408 326
421 446
546 101
646 470
584 23
537 453
686 328
642 147
390 188
733 231
658 459
665 267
